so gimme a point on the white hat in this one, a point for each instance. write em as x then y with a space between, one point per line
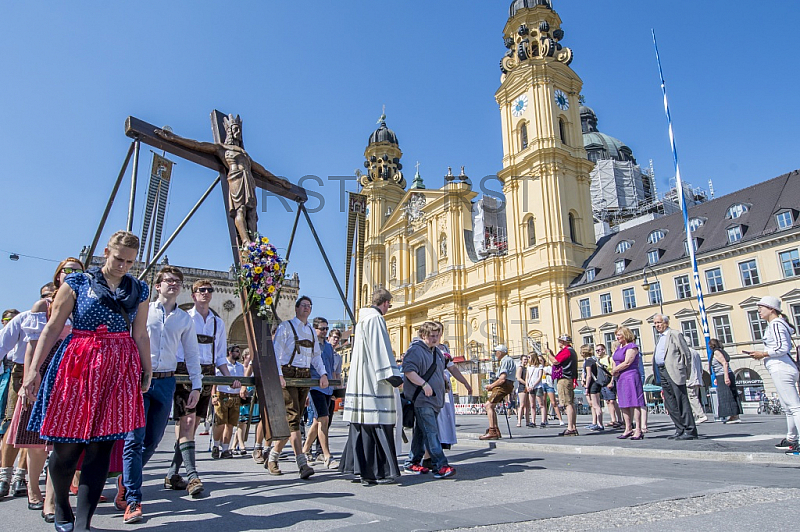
567 339
501 347
770 302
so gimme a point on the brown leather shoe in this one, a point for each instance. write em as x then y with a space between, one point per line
491 434
175 482
273 468
306 471
258 456
195 487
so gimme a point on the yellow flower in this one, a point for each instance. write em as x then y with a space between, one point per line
276 267
258 269
264 240
268 301
270 252
270 289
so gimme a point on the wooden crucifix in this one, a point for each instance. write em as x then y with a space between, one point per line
241 176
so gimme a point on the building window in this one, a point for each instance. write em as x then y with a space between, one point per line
683 288
573 234
654 292
735 211
523 136
749 272
655 236
695 243
531 232
784 219
689 330
588 340
590 273
790 261
619 266
696 223
623 246
535 313
757 325
722 329
795 310
628 298
609 339
586 309
734 234
652 256
714 280
605 304
635 332
562 131
421 270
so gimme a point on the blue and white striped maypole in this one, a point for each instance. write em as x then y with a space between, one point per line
689 241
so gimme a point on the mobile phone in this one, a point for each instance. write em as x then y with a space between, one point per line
747 352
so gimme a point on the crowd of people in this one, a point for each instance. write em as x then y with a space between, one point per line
89 387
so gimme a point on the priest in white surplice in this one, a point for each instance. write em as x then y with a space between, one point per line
369 403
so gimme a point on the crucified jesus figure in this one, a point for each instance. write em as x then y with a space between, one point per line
242 201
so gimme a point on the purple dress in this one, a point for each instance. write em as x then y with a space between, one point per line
629 382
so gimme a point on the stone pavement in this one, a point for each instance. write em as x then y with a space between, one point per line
532 481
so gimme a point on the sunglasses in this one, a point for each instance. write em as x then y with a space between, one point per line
323 328
72 270
47 295
205 290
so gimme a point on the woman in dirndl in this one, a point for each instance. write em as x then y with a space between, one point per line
91 394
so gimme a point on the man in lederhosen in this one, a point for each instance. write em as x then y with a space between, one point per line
213 355
296 349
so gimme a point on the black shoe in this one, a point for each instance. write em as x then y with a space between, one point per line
675 436
4 488
794 450
426 462
69 526
19 487
36 505
48 518
226 454
684 437
785 445
215 452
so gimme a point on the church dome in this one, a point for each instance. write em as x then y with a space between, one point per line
598 145
516 5
383 134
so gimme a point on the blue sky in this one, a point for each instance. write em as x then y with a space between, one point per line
309 80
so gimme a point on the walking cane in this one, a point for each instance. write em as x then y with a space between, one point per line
505 411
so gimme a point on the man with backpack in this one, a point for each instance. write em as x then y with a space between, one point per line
423 369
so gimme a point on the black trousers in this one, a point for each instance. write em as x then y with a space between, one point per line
676 399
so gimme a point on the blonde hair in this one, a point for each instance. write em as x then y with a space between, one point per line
626 333
428 328
200 283
124 239
533 359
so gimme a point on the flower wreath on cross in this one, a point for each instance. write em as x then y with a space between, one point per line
261 275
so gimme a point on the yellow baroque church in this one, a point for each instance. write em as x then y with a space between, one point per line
420 243
544 260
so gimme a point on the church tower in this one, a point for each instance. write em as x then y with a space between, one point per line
545 171
384 186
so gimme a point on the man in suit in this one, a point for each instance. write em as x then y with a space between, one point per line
674 363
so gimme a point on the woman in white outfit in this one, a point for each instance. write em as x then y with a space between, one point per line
782 368
535 389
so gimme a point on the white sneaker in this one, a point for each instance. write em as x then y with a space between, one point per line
561 423
701 420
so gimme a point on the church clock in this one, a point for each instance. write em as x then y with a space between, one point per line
519 105
561 100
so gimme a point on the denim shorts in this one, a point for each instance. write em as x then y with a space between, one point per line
548 389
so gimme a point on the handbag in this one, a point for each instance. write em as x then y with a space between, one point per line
408 404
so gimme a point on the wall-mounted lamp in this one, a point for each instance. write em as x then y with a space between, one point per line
14 257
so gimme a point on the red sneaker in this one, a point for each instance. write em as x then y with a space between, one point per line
444 472
133 513
416 469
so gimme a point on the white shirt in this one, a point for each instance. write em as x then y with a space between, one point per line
661 349
535 375
206 326
237 370
168 332
12 339
777 343
284 346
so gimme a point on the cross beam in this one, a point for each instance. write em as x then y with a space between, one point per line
139 129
